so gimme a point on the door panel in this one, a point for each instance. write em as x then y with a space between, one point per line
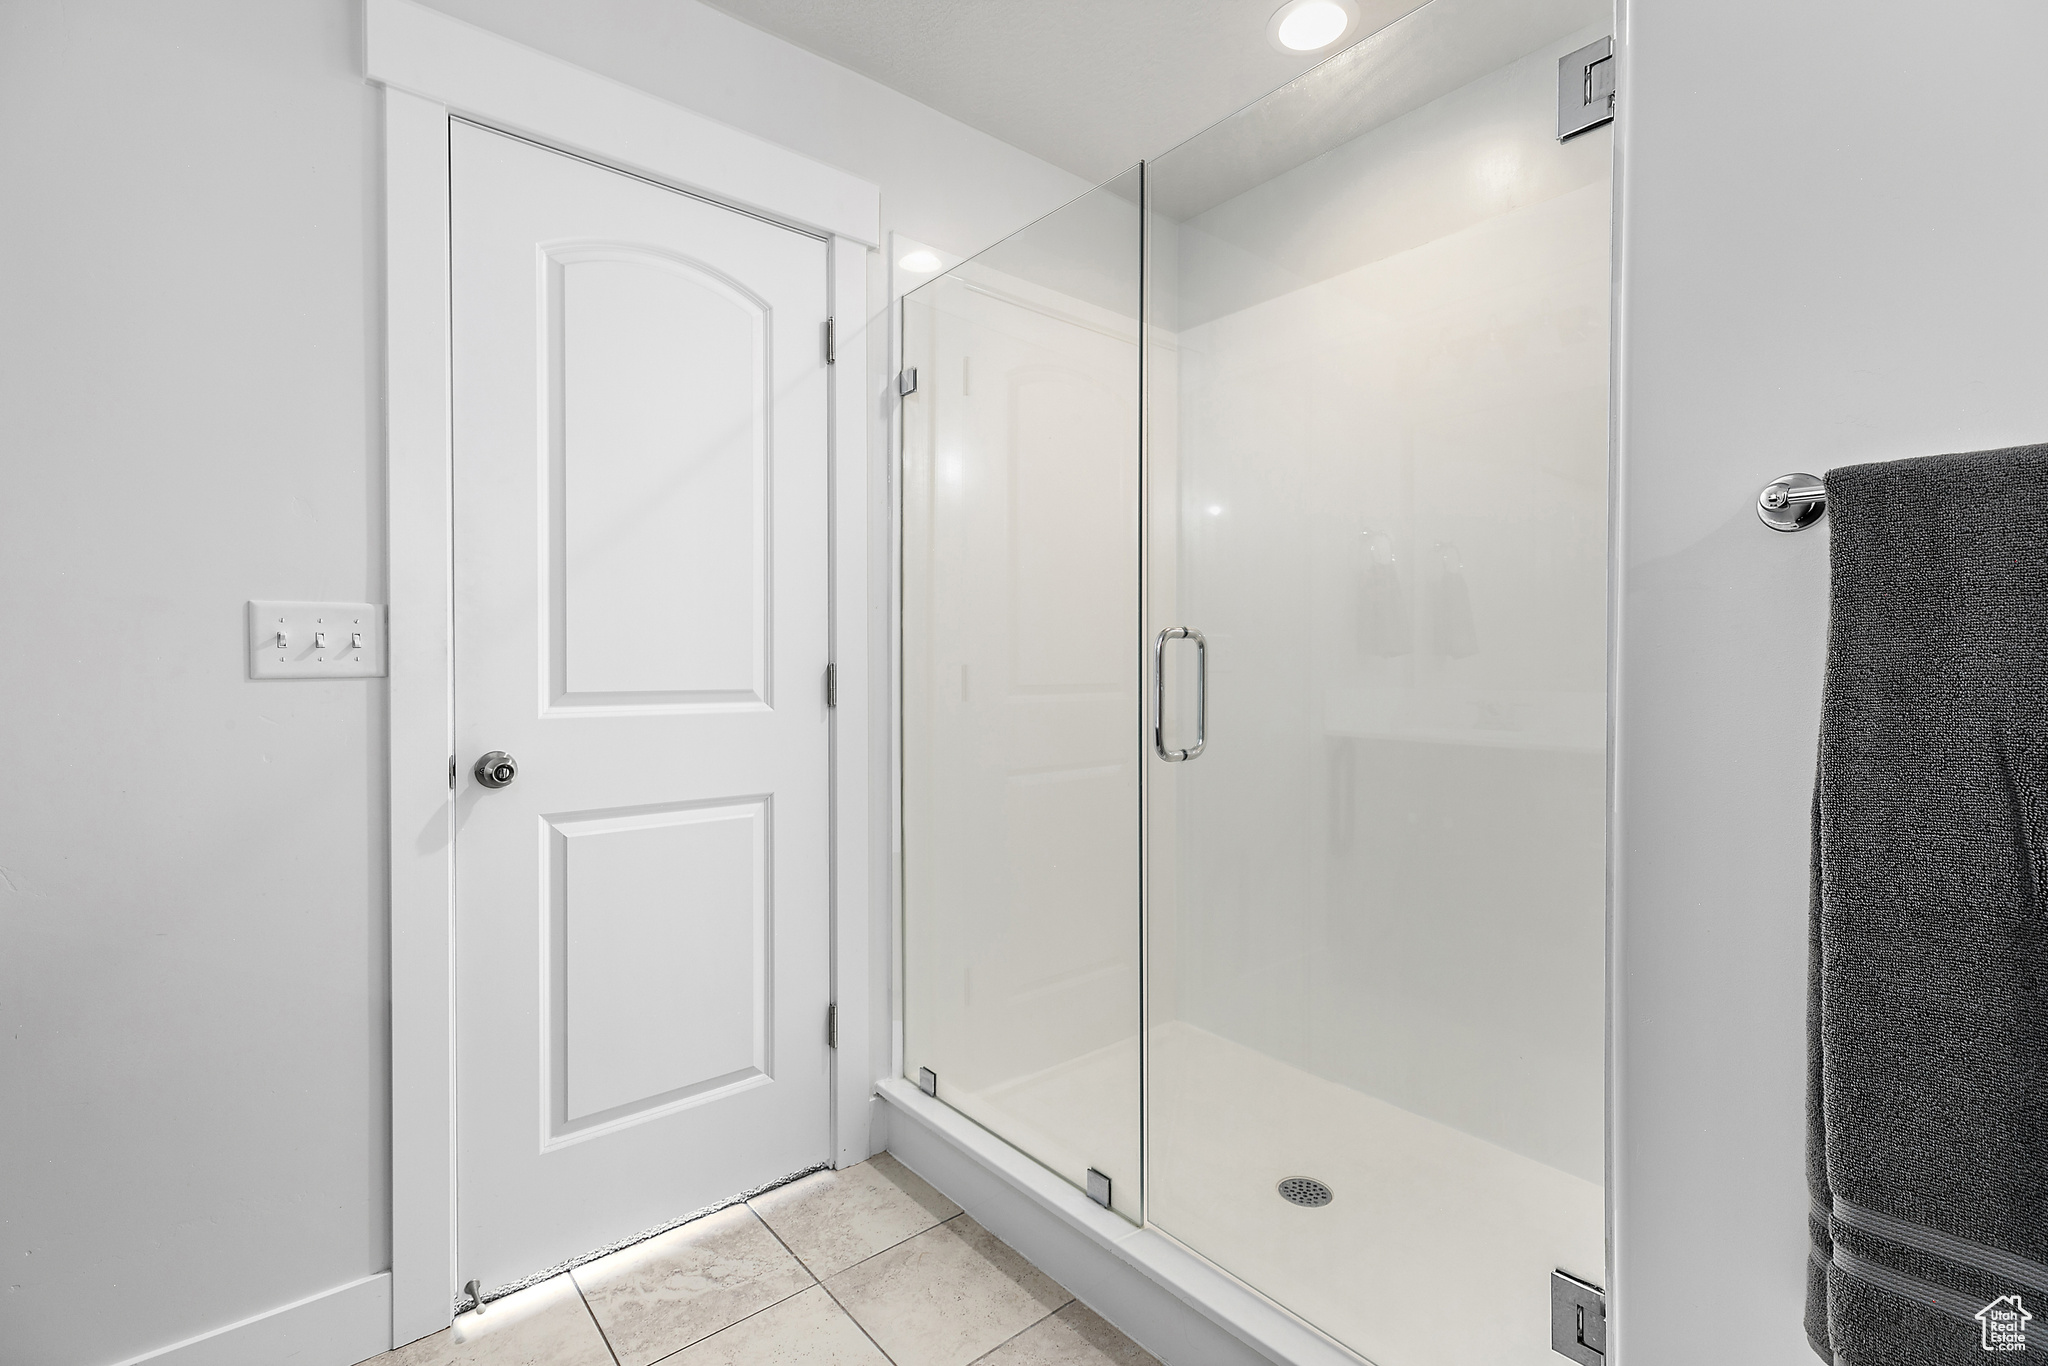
1377 477
660 455
640 587
642 903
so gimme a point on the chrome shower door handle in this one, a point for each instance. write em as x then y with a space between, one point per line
1194 751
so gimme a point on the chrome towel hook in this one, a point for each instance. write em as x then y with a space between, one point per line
1792 502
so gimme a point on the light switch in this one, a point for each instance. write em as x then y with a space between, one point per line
305 640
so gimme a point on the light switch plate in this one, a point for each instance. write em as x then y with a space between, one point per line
316 640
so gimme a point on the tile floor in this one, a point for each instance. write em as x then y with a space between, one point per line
863 1267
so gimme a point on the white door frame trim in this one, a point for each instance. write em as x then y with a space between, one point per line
432 68
494 80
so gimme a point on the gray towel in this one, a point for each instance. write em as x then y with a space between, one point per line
1927 1016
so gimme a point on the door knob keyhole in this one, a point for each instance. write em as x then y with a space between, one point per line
496 769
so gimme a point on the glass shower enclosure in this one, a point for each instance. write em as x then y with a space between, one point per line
1253 684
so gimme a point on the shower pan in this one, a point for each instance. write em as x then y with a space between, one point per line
1253 689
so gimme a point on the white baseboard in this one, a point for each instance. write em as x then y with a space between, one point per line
337 1327
1171 1302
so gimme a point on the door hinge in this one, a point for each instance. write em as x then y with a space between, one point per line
451 773
1578 1319
906 382
1585 88
831 685
832 1025
828 342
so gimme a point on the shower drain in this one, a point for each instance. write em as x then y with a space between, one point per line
1305 1190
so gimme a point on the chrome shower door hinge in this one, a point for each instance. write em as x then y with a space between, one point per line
832 1025
928 1082
829 358
1578 1319
1098 1188
1585 88
831 685
906 382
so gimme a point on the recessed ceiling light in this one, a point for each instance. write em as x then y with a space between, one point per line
1310 25
920 262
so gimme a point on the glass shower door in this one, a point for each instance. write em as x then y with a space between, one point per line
1376 485
1021 691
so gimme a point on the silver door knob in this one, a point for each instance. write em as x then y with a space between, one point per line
496 769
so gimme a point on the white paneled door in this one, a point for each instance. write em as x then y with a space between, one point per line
642 928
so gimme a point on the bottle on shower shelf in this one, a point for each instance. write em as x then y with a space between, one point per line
1452 631
1383 618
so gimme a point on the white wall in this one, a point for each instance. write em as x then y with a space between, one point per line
192 926
192 880
1829 252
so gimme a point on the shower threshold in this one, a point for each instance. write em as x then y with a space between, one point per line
1171 1300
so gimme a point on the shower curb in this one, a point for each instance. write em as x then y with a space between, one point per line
1169 1300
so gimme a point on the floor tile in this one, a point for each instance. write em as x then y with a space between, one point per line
834 1219
947 1296
546 1325
807 1329
1076 1336
660 1296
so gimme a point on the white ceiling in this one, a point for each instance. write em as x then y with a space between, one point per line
1090 85
1435 50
